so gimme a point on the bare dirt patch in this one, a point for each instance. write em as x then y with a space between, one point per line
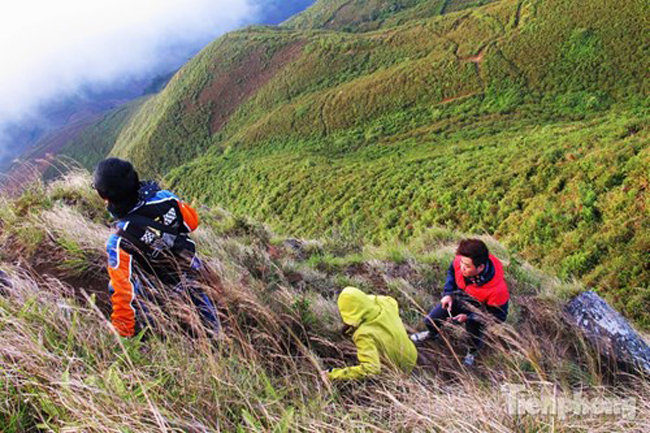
477 58
230 89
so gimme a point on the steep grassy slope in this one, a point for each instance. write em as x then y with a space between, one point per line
579 207
179 123
525 119
62 368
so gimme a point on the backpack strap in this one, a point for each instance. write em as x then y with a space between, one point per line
139 244
145 222
142 221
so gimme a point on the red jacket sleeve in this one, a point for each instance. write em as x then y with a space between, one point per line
190 217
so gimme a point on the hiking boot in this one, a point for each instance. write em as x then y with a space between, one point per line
420 337
470 360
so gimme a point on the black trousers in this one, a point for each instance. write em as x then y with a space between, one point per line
474 324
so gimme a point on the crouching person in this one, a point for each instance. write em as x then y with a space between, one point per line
379 335
151 243
474 285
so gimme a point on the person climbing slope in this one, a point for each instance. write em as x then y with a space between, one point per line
378 333
150 248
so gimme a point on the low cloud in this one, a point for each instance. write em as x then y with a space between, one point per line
50 48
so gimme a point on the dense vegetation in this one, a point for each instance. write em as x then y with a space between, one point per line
526 119
577 206
62 368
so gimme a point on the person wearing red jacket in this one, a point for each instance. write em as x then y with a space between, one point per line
474 279
149 250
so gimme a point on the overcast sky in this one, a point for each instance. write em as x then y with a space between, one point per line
50 47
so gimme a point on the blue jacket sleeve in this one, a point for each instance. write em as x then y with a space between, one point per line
450 287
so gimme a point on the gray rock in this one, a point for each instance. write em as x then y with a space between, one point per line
609 330
5 283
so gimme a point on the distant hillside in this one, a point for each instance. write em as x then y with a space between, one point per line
57 122
95 142
525 119
358 16
84 142
268 83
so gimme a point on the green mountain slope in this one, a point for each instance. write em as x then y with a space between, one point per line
266 83
351 15
526 119
568 206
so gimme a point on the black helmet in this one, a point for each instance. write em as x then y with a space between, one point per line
116 181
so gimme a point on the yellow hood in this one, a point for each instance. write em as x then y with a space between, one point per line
379 334
356 307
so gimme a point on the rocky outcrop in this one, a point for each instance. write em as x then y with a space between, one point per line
609 331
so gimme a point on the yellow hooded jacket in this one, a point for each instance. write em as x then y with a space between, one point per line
380 335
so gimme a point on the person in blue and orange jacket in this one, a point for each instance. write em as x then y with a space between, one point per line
150 248
474 278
